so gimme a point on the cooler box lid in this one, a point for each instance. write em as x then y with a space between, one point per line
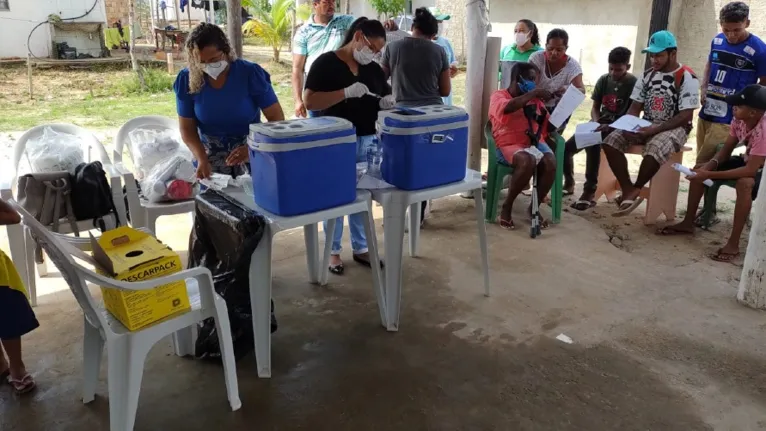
300 134
300 127
423 116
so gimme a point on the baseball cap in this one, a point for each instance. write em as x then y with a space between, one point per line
660 41
438 14
752 96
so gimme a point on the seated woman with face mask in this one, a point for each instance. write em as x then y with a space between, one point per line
217 98
348 84
510 128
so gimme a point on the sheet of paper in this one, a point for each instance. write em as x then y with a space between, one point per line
629 123
586 135
570 101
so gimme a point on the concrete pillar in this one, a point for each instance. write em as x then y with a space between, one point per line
752 283
477 26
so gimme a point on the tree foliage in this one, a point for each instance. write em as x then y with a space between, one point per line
271 26
388 8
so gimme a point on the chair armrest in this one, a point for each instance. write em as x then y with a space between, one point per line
6 185
202 275
113 172
116 157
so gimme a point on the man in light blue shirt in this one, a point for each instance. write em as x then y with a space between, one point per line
323 32
447 46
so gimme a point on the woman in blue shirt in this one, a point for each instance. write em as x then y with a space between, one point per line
217 97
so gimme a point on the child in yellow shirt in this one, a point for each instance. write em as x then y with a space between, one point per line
16 316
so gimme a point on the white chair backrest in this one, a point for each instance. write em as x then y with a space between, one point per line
92 148
61 249
149 122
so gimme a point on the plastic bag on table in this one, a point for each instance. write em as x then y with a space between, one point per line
148 147
172 179
54 152
223 239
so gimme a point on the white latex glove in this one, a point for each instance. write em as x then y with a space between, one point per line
387 102
355 90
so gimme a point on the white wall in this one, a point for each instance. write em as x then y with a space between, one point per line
16 24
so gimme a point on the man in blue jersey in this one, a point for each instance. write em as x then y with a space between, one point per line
737 59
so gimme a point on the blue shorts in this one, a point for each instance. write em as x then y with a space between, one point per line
543 147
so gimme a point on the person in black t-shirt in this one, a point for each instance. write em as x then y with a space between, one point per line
349 84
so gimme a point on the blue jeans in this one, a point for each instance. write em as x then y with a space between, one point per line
355 221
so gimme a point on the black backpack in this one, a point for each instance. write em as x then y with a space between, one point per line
91 195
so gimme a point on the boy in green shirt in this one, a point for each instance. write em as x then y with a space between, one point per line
611 100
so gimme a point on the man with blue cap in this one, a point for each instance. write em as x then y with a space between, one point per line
667 94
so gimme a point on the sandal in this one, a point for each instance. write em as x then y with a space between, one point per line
582 205
25 385
721 256
627 206
366 262
506 224
337 269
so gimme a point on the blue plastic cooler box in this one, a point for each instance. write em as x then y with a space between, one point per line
423 147
304 165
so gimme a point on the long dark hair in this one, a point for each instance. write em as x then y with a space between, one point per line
368 27
425 22
558 33
535 38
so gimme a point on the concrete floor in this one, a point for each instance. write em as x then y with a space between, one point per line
658 345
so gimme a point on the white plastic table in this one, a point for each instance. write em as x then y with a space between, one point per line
395 202
260 264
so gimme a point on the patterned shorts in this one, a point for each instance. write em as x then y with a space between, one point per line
660 146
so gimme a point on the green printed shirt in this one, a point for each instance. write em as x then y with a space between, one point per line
313 40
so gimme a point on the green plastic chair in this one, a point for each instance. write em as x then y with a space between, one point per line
497 171
705 218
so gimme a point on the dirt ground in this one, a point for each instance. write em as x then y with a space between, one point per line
659 343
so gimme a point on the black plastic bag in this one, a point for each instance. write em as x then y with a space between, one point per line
223 239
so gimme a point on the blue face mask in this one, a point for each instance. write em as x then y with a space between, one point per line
526 86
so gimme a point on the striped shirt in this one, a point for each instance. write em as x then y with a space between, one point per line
313 40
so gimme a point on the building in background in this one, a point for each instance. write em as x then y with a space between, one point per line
18 19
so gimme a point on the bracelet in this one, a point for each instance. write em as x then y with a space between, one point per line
717 163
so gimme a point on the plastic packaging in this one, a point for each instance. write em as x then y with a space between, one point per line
148 147
689 173
54 152
164 181
223 239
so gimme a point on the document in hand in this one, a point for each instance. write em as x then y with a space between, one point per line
571 99
629 123
586 135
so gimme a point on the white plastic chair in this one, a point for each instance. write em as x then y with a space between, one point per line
142 212
127 350
22 248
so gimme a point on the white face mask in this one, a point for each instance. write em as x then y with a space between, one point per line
364 56
521 38
214 70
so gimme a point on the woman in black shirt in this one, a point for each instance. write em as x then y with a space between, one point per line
347 83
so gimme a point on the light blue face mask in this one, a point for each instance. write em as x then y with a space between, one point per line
526 85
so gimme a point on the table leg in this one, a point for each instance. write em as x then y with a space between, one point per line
311 237
482 238
260 303
372 244
393 214
414 237
324 271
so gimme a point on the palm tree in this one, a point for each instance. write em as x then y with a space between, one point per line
271 26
